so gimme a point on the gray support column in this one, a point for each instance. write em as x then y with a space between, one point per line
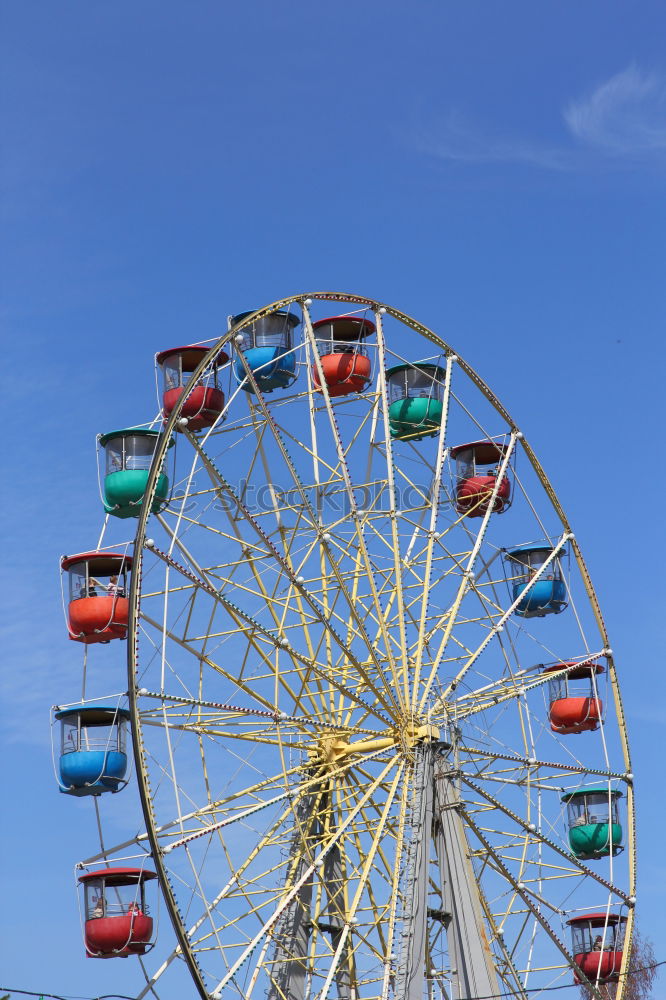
470 954
288 967
333 882
410 971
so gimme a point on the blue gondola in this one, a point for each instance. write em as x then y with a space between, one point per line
548 594
266 345
93 757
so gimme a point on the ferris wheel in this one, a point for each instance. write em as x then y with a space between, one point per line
379 742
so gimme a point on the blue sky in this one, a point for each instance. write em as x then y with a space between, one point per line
496 170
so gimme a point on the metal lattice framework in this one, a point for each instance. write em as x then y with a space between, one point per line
348 777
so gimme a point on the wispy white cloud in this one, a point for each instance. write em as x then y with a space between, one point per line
623 118
458 140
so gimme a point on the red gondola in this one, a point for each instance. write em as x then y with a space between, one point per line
574 704
597 943
117 922
345 365
205 402
98 608
475 478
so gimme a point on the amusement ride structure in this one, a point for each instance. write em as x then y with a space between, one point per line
373 709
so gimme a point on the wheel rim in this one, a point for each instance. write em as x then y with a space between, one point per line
341 679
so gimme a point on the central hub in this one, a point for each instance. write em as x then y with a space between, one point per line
332 747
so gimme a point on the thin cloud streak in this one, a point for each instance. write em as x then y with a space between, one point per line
460 142
623 118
